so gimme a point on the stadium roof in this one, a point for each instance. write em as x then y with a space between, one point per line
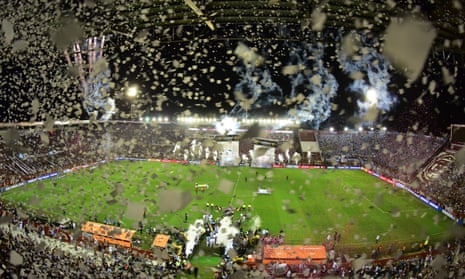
272 19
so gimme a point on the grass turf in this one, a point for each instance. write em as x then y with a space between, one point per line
306 204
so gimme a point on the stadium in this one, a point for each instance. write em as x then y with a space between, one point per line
232 139
425 173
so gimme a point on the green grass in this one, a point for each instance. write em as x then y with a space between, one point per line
307 204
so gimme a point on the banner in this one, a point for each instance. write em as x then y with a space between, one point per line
265 142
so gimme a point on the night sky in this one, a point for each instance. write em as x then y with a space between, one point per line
307 79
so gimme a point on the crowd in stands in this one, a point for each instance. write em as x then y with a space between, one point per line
26 153
30 150
33 249
392 154
141 140
448 190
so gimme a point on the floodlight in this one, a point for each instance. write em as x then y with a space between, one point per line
132 92
371 95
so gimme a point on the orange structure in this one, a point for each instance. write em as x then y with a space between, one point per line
160 240
294 254
109 234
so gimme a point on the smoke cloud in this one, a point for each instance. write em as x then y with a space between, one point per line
256 88
226 233
312 85
369 70
194 232
95 85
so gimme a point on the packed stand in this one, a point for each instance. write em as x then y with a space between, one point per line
448 191
391 154
30 248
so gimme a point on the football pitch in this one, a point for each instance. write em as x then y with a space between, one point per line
307 204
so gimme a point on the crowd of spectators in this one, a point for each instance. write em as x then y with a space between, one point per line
30 248
30 152
392 154
142 140
447 190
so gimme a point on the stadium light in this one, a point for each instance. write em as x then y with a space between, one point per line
132 92
371 96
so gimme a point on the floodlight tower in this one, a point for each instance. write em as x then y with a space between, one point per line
94 74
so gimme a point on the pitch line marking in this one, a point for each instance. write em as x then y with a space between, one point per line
235 188
374 205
